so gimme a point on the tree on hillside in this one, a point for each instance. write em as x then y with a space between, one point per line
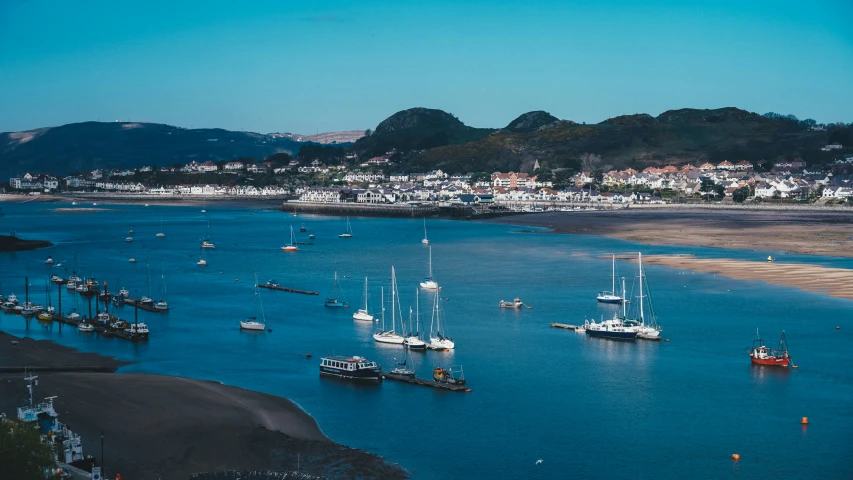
479 177
741 194
708 188
544 174
22 455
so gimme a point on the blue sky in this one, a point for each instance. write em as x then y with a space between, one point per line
281 66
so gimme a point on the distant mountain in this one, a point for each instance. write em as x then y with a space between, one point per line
417 129
675 136
86 146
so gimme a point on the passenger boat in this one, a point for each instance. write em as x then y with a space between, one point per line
291 247
763 355
611 297
362 313
438 339
252 323
514 304
348 232
429 283
333 302
612 329
450 376
350 368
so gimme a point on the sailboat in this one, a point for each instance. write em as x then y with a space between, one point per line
205 241
333 302
413 339
429 283
391 336
252 323
425 241
438 339
403 368
161 234
362 313
162 305
348 232
611 297
201 262
292 247
647 329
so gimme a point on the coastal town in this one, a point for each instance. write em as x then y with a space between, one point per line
378 181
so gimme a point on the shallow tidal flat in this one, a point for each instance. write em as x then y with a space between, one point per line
835 282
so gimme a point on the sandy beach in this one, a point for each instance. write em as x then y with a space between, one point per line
169 427
809 232
835 282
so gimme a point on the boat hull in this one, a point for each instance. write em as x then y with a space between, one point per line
368 375
608 299
613 335
429 285
386 338
252 326
771 361
362 316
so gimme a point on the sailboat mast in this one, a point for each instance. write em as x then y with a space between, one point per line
624 314
393 298
640 261
382 292
417 312
613 276
365 294
430 262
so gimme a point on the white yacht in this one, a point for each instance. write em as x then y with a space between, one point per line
390 336
413 340
611 296
425 241
201 262
252 323
362 314
429 283
85 327
438 339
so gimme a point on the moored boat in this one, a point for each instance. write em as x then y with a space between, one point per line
85 326
516 303
760 354
348 232
453 375
252 323
390 336
201 262
429 282
351 368
362 314
438 339
612 329
611 296
49 261
334 302
291 247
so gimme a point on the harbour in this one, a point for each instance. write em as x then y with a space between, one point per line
503 350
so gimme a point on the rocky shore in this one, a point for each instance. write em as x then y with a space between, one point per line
9 243
158 427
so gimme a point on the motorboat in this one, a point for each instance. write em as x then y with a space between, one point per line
514 304
201 262
49 261
612 329
86 327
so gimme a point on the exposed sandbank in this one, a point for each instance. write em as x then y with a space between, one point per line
809 232
169 427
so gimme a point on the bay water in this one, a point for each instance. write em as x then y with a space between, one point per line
585 407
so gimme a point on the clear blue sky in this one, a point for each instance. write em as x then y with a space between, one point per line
281 66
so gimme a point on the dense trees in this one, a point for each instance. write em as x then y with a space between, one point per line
741 194
22 455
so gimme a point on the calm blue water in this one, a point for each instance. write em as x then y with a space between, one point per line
586 407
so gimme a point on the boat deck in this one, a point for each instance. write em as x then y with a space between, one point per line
286 289
144 306
566 326
426 383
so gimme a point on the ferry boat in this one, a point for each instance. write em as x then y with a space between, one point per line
350 368
515 304
763 355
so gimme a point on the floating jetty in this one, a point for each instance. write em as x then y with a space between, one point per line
283 289
566 326
134 302
426 383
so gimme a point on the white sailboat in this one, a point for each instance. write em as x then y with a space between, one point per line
425 241
291 247
429 283
413 339
162 304
362 313
438 339
650 330
390 336
206 241
161 234
611 297
348 232
252 323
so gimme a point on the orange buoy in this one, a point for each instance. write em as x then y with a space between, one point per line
805 421
735 456
307 355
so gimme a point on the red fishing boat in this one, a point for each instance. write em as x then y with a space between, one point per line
763 355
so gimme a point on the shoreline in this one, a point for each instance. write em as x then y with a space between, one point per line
162 426
806 232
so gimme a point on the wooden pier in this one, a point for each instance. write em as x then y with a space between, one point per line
284 289
426 383
566 326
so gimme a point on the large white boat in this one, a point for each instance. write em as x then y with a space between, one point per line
438 339
362 314
429 282
252 323
646 328
516 304
390 336
291 247
350 368
611 296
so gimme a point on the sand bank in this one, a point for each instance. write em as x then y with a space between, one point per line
835 282
809 232
169 427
